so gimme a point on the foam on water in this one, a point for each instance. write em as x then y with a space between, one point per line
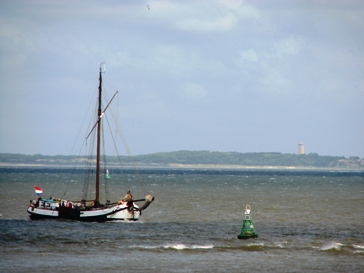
358 249
183 246
358 246
331 246
260 244
280 244
175 246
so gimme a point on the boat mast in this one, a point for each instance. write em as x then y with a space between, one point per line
99 112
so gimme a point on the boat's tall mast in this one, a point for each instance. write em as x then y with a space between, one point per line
99 111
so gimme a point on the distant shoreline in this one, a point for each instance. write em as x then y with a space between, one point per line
185 166
194 160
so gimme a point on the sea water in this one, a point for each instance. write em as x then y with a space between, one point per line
307 221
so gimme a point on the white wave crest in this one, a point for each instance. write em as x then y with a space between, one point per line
331 245
359 249
172 246
256 244
358 246
280 244
183 246
144 247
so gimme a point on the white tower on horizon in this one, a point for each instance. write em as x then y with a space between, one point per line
301 148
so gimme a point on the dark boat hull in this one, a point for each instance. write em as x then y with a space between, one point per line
113 213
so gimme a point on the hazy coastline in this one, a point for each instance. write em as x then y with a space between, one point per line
184 166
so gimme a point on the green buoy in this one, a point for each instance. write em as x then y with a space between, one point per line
247 230
107 175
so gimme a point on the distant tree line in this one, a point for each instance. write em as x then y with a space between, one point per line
249 159
203 157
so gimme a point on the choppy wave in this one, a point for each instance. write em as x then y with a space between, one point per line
194 224
337 247
331 246
176 246
183 246
358 246
358 249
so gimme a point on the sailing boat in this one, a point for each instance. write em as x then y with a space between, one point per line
125 209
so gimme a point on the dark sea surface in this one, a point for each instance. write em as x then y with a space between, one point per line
307 221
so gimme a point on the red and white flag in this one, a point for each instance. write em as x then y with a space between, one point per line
38 191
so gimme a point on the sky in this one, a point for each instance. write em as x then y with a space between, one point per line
218 75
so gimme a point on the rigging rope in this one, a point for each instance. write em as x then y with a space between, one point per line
128 151
124 141
84 142
89 144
